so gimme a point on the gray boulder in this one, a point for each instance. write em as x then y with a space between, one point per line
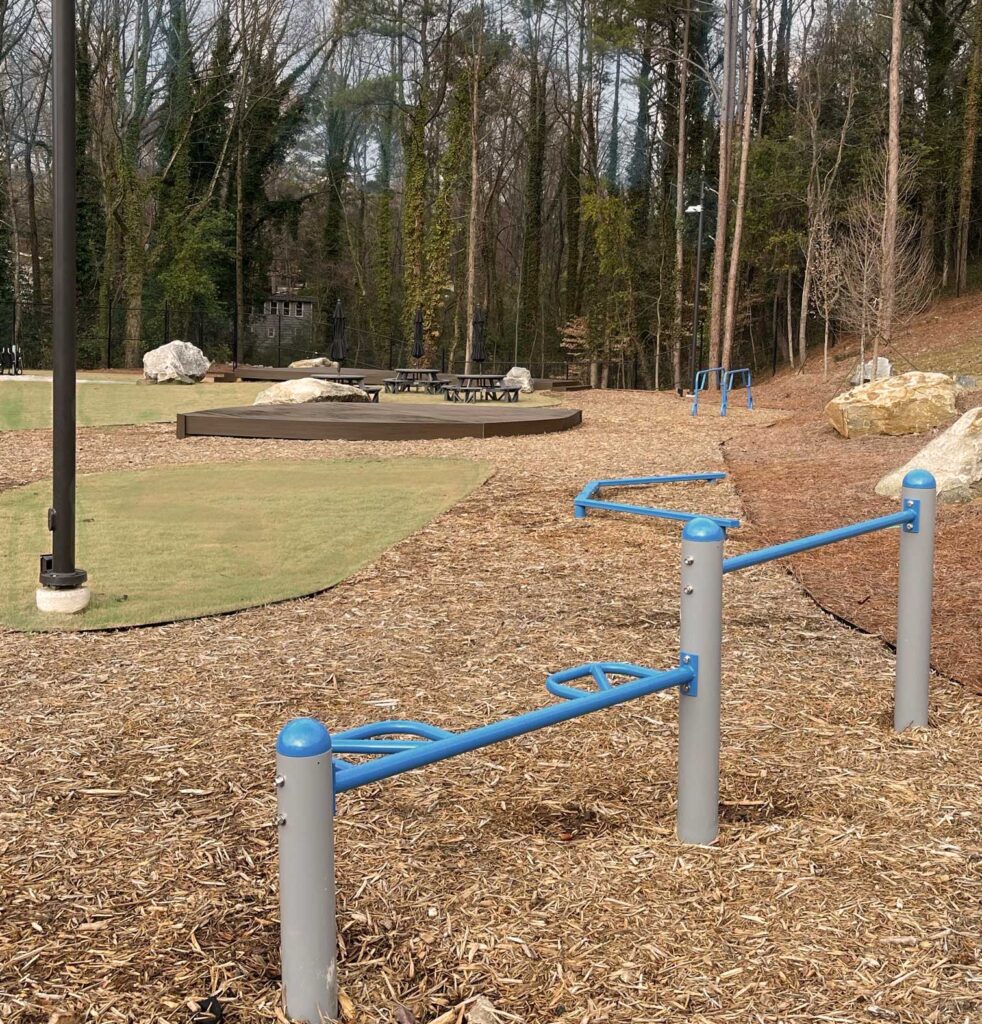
178 361
520 376
309 389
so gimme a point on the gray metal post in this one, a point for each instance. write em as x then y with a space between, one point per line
914 594
308 933
699 704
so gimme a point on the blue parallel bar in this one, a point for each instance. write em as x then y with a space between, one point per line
460 743
676 478
654 513
818 540
393 727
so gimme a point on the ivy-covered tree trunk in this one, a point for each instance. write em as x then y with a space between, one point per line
530 311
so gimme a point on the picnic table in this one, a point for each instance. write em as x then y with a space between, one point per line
341 378
414 379
480 380
476 385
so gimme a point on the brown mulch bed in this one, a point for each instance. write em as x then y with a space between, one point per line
137 845
799 476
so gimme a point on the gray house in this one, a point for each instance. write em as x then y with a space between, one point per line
282 329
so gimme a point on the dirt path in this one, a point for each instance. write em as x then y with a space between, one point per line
137 855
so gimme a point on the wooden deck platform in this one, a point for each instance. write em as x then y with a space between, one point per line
345 421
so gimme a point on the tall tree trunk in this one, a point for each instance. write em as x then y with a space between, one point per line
680 202
32 226
723 196
970 132
472 215
733 279
888 274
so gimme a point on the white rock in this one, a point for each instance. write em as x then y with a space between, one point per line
313 364
520 376
883 369
309 389
178 361
954 457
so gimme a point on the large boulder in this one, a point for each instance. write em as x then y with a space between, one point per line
178 361
883 370
906 404
954 457
520 376
319 362
309 389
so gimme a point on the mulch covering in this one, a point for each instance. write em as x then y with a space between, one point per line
137 845
799 476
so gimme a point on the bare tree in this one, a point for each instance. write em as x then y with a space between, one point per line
888 273
828 277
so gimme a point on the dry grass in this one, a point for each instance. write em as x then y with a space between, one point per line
136 837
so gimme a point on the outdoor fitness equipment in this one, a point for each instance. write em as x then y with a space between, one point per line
309 776
727 381
587 498
731 379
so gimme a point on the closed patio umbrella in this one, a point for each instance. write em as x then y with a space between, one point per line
418 349
477 347
339 345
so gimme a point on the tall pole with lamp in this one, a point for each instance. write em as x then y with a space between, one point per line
694 346
62 582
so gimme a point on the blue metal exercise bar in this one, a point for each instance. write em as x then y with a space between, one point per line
438 745
731 379
587 499
908 517
702 382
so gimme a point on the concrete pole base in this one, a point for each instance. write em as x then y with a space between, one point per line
69 601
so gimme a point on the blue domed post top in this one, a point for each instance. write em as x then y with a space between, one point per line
921 479
703 529
303 737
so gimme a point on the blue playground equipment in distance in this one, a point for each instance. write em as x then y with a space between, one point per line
727 380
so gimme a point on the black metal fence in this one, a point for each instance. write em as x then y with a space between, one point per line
111 336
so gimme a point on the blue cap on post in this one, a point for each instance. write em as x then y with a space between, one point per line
303 737
704 529
920 478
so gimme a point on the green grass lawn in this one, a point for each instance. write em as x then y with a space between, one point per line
179 542
26 405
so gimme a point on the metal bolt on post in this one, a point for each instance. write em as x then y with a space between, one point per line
305 817
699 705
914 594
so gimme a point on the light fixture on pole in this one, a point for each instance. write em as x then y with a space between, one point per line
700 208
62 586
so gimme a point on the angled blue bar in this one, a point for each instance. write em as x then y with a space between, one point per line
585 499
460 743
393 727
818 540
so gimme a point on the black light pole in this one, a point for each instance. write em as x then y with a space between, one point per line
693 358
58 570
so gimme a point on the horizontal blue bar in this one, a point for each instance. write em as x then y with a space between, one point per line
374 746
460 743
817 540
654 513
628 481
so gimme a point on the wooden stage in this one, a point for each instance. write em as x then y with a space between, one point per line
349 421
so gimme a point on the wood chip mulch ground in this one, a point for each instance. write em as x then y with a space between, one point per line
798 476
538 881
